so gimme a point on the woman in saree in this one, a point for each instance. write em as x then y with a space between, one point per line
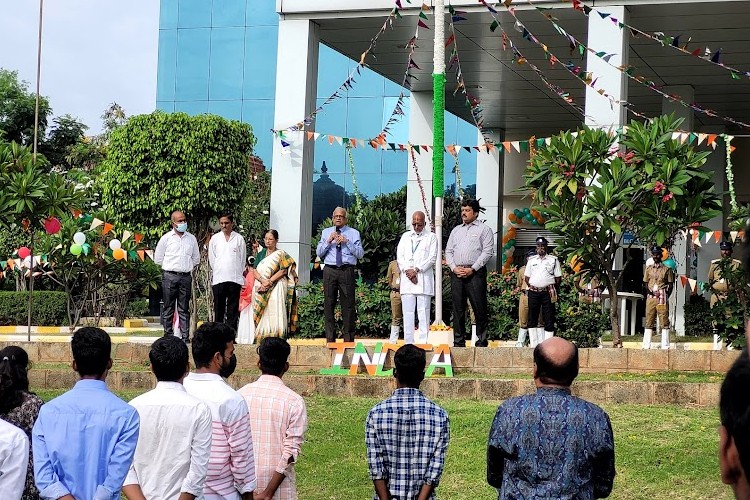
275 300
246 326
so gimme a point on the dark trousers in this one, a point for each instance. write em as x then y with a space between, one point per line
475 289
338 286
227 303
537 301
177 288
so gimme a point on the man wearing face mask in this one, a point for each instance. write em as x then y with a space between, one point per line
231 466
542 275
177 254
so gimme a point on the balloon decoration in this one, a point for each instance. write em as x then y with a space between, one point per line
119 254
79 238
24 252
76 249
52 225
664 254
115 244
519 216
670 263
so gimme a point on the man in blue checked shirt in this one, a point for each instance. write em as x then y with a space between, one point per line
84 440
406 435
551 444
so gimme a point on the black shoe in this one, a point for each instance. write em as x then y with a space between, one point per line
460 345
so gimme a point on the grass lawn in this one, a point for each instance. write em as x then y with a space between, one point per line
661 451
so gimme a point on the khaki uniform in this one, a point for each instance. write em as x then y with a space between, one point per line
657 300
589 290
394 281
523 300
719 287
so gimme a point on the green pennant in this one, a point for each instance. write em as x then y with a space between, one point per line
581 49
692 138
524 146
345 140
494 25
398 14
735 76
540 143
422 15
415 148
451 9
3 264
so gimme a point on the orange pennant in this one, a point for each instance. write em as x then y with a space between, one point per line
141 254
711 139
107 228
353 142
506 145
451 149
76 213
330 139
138 238
310 135
683 280
717 236
731 149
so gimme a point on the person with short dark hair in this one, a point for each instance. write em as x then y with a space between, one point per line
542 275
84 440
720 286
231 466
407 435
734 432
551 444
278 419
470 246
177 253
657 280
171 461
226 256
18 406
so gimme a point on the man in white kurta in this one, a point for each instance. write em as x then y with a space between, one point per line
416 255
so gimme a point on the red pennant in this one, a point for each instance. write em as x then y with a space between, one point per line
107 228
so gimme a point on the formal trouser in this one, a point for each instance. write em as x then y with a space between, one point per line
177 289
652 310
475 289
339 286
227 303
422 304
397 314
541 301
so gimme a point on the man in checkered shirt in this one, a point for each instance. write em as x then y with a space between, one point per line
406 435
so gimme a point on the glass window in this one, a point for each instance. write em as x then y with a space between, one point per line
261 13
167 65
168 14
368 184
394 89
366 160
227 59
466 133
392 182
331 119
450 129
194 13
333 70
396 162
193 49
229 12
260 62
166 106
259 114
362 118
369 83
334 156
191 107
231 110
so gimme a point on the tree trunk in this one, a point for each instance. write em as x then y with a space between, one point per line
614 316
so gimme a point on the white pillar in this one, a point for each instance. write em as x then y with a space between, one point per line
420 132
490 188
292 166
604 35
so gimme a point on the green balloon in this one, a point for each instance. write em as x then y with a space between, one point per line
86 248
505 257
534 222
511 243
670 263
76 249
518 213
526 211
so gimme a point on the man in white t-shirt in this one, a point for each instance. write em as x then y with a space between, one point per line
174 443
226 255
14 460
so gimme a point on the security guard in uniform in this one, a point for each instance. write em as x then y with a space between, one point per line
589 289
657 280
719 286
523 303
397 315
542 275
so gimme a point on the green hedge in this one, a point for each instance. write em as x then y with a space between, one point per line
49 308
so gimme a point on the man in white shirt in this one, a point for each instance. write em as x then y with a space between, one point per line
231 466
177 254
542 275
174 443
416 255
226 255
14 460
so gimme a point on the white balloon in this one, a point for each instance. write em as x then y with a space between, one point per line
114 244
79 238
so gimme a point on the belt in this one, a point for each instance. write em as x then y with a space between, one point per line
397 290
178 272
343 266
538 289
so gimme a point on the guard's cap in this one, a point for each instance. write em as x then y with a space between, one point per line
541 240
655 250
725 245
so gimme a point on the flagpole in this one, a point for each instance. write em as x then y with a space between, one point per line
438 128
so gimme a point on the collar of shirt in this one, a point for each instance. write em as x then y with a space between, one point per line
545 389
475 222
270 379
205 376
92 384
170 386
407 392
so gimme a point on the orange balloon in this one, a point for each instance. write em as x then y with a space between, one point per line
512 217
664 254
119 254
512 232
535 213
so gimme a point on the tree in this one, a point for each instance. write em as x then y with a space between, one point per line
162 162
17 105
594 193
65 134
254 214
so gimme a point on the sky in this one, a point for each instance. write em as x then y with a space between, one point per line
94 52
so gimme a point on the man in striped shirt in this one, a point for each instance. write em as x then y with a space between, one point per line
231 466
278 419
470 247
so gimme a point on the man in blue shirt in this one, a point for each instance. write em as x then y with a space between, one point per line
551 444
339 247
84 440
407 434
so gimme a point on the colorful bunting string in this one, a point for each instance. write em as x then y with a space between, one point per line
730 171
412 155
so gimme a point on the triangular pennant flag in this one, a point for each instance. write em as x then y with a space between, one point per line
421 24
697 241
506 145
107 228
712 139
467 148
692 283
141 254
733 235
741 234
96 223
423 15
701 138
125 235
450 40
310 135
150 254
683 280
340 140
516 145
717 236
708 237
426 148
731 149
330 139
138 238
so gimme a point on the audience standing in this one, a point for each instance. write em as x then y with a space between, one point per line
14 458
734 432
226 256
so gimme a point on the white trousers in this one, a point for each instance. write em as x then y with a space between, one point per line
409 302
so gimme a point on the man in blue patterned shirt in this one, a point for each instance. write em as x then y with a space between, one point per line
406 435
551 444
